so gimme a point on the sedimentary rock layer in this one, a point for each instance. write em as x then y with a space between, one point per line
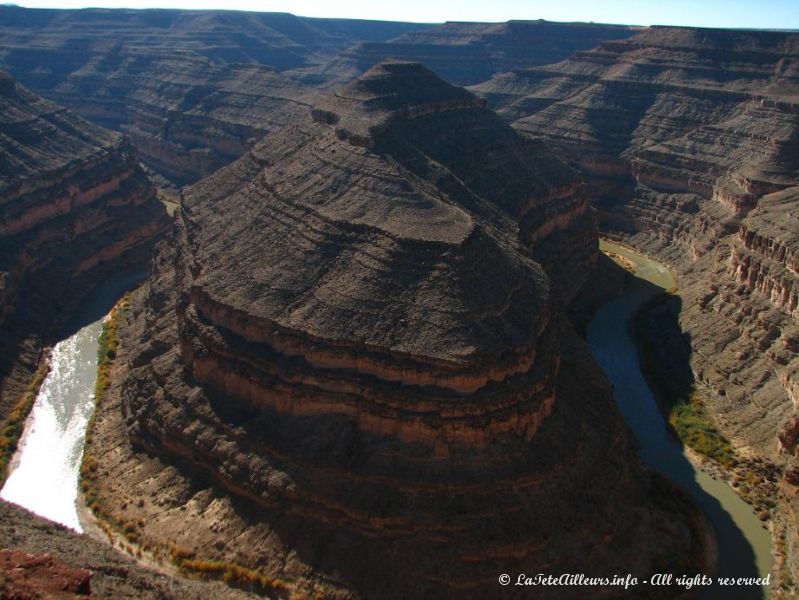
357 330
468 53
73 203
689 140
193 90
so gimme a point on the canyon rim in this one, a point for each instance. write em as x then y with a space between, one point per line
357 367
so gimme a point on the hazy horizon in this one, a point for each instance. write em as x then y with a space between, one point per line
770 14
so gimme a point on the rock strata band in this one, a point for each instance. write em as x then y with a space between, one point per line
362 324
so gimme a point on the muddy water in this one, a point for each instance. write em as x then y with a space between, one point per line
745 548
44 470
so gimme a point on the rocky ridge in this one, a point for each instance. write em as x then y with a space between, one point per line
688 139
193 90
74 203
371 352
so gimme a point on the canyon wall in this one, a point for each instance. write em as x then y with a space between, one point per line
194 90
357 333
689 139
74 204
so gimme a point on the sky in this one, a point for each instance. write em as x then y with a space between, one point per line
766 14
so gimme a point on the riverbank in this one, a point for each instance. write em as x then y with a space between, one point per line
665 360
744 544
12 427
45 467
122 524
46 429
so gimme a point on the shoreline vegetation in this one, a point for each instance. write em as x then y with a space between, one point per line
171 202
126 534
14 424
679 400
107 346
620 260
683 407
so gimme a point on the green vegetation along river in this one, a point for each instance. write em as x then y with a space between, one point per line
744 545
44 470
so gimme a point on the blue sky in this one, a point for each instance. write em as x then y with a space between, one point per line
781 14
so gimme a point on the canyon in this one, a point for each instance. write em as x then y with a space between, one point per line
74 206
362 329
697 166
358 332
194 90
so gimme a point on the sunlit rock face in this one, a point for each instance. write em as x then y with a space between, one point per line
358 330
666 121
74 202
689 140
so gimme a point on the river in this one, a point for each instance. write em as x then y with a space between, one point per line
44 470
744 545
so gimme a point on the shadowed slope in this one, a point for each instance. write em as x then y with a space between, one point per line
357 332
689 141
74 204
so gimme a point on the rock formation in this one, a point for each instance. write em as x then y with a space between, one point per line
192 90
74 204
357 333
39 559
689 139
468 53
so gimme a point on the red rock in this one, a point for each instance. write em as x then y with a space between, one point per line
24 575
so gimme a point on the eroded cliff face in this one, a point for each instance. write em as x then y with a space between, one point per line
357 332
192 90
74 203
689 139
468 53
